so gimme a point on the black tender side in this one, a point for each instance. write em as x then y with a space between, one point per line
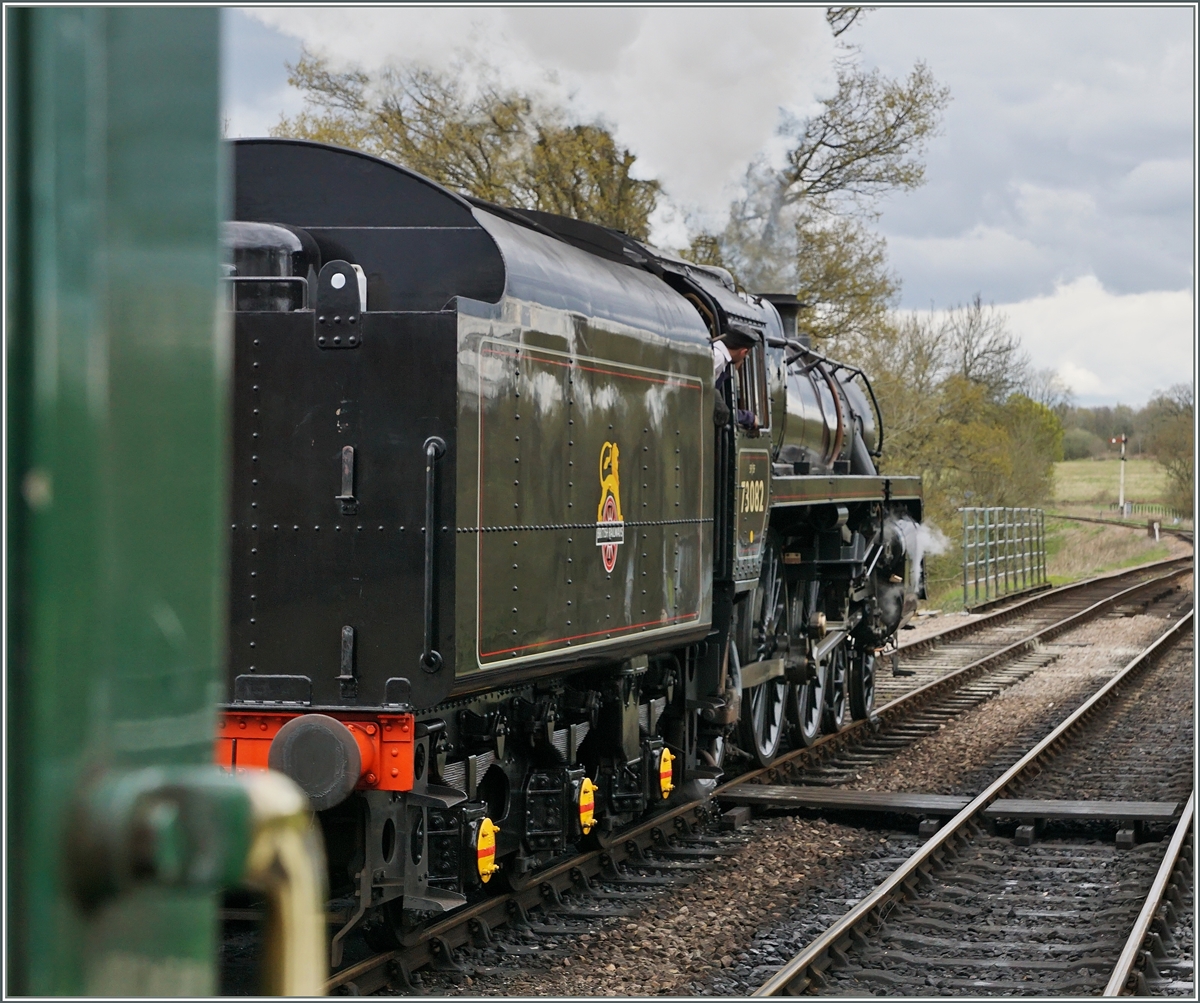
419 244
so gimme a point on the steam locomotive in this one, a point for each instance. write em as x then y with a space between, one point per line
504 574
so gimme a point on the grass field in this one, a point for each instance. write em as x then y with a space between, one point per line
1096 481
1077 550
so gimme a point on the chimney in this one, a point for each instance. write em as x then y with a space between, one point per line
789 307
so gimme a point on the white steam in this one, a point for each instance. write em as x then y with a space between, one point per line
696 93
921 540
931 541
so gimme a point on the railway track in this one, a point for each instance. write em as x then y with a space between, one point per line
936 654
1183 534
952 671
984 908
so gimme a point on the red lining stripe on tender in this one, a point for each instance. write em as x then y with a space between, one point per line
594 633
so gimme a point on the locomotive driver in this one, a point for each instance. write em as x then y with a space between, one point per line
729 352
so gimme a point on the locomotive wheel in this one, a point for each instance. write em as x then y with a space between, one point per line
806 707
762 633
835 692
862 685
762 718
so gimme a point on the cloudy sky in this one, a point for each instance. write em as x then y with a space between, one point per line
1061 187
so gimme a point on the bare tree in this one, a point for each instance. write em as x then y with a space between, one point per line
1048 388
868 139
842 19
1172 441
984 350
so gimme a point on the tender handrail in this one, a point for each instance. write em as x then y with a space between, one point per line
435 448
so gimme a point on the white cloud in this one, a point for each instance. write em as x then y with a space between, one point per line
973 261
1042 207
1110 348
1156 186
1070 128
1067 149
695 92
257 117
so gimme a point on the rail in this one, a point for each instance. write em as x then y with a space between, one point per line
1133 949
798 973
1023 604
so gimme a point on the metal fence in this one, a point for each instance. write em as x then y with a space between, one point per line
1142 508
1004 551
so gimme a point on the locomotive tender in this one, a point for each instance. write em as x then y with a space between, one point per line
504 574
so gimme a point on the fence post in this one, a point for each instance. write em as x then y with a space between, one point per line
1019 570
999 550
1006 530
982 554
975 549
1037 568
1025 551
1032 551
1042 546
988 552
1008 550
1010 571
964 555
1021 547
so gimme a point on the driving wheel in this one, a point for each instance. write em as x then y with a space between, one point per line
835 692
763 634
862 684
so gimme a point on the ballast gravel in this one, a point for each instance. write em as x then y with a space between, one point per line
752 910
970 751
687 935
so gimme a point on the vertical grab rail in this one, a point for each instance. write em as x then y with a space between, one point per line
435 448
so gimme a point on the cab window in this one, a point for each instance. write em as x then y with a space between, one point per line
752 387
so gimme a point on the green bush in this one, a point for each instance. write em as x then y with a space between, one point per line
1080 444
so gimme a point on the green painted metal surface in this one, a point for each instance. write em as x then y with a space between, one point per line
116 491
787 491
580 473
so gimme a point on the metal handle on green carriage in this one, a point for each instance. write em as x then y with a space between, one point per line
286 861
199 827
